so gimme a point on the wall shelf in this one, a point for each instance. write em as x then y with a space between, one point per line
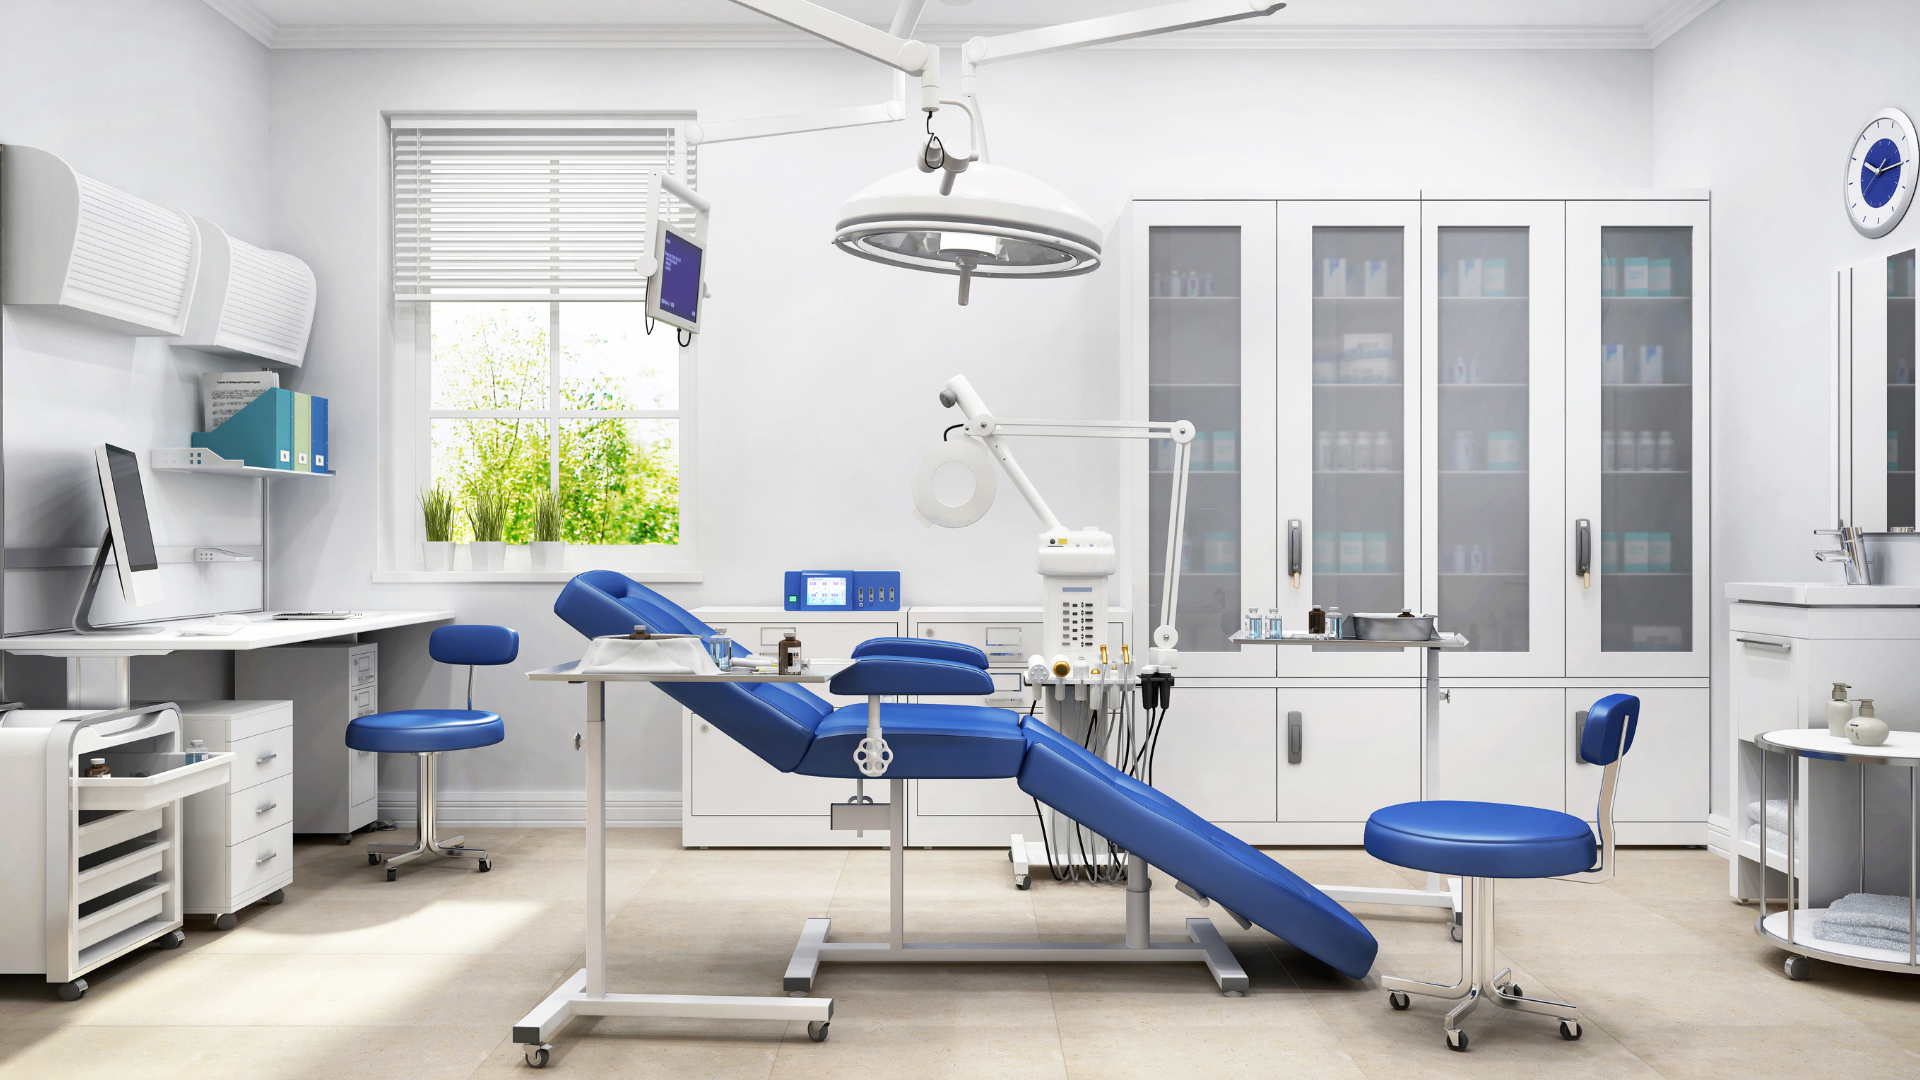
196 460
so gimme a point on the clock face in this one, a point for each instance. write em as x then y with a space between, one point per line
1881 173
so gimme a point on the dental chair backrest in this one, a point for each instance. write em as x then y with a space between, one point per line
1604 740
774 720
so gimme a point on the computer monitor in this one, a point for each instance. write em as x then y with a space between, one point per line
673 292
129 536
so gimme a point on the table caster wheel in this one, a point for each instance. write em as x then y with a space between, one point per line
1799 968
1454 931
1398 1000
346 838
277 896
172 941
485 865
1457 1040
73 991
1023 882
393 873
537 1056
1233 993
372 859
1570 1030
817 1029
225 922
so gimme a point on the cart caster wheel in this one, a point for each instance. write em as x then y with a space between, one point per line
1023 882
73 991
1009 854
225 922
277 896
1454 931
1570 1030
393 873
537 1056
485 865
1457 1040
817 1029
372 859
346 838
1233 993
1799 968
172 941
1398 1000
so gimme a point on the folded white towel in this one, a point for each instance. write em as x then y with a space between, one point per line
650 656
1776 839
1776 813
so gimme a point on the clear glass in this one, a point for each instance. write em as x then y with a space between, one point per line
608 360
1900 412
491 355
1193 373
1359 372
1645 542
1484 436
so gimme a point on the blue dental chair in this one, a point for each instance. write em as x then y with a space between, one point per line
427 733
1479 842
795 731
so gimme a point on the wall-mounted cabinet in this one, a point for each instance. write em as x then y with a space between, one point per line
1873 375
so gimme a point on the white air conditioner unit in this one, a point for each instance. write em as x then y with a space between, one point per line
96 253
249 302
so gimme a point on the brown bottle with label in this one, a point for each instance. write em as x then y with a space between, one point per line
1317 620
99 767
789 654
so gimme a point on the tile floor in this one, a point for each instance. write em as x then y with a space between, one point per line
422 978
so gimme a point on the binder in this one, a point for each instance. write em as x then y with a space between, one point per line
261 434
302 432
320 436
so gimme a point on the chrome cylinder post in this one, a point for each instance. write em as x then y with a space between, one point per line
1139 902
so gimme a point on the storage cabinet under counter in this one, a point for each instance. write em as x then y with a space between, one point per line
240 835
335 789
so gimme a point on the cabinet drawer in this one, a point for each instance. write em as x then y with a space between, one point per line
168 779
261 758
123 871
363 776
105 832
100 925
362 666
259 808
221 723
363 701
254 861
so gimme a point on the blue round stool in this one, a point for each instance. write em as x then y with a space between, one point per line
1479 842
426 733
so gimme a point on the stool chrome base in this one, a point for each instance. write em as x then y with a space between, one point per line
1478 980
425 842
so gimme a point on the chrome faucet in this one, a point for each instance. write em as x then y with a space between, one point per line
1852 553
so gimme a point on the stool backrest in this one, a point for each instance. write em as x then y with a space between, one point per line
1605 739
471 644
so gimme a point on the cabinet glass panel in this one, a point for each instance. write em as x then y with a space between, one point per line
1483 435
1645 536
1900 359
1359 364
1193 373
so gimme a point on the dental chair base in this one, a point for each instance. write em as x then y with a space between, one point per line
1204 945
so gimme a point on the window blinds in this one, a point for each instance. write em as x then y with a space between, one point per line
543 210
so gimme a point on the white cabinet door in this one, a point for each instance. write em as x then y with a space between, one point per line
1504 744
1874 392
1637 439
1359 751
1349 421
1495 356
1203 351
1217 751
730 780
1664 777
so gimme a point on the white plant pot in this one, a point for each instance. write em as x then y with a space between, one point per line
439 556
549 554
488 555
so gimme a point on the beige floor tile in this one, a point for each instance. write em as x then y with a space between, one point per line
1709 1052
919 1051
1295 1045
621 1048
326 1053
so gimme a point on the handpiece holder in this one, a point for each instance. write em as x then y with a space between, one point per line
81 625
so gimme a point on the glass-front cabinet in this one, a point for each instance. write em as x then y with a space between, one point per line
1204 339
1637 408
1495 363
1874 485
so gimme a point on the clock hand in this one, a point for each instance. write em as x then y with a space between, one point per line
1877 170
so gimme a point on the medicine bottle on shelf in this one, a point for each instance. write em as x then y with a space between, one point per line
98 767
789 654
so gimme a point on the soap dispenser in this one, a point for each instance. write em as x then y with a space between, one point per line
1839 711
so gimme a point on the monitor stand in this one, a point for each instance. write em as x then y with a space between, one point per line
80 610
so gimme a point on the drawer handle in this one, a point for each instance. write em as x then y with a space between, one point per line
263 759
266 807
264 858
1782 646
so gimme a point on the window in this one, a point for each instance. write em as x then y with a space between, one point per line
522 361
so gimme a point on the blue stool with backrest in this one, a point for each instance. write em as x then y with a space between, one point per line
1478 842
430 732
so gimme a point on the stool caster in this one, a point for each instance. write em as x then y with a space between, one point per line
1023 882
1799 968
537 1056
1457 1040
817 1029
172 941
393 873
225 922
1398 1000
1570 1030
73 991
486 865
1454 931
372 859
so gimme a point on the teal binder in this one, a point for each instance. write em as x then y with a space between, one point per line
261 434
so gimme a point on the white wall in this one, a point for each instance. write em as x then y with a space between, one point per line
167 100
819 372
1760 100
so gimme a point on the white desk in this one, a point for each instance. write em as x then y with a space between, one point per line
585 994
99 668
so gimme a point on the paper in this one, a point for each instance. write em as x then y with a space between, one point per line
223 393
648 656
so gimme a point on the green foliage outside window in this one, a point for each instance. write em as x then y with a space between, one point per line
619 477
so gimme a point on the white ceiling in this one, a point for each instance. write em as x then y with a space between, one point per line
717 23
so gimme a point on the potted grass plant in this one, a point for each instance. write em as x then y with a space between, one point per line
436 514
549 550
487 516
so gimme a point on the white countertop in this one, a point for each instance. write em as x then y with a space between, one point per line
1823 594
263 633
1901 747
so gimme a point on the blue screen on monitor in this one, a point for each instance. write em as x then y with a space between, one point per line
680 279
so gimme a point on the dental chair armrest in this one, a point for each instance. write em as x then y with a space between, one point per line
894 675
951 652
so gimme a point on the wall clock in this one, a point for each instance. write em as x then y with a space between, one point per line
1881 173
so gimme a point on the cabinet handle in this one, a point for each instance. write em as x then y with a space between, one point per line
266 807
1293 737
1293 550
263 759
264 858
1583 552
1783 646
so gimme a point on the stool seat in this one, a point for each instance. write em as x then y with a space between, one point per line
1480 840
425 731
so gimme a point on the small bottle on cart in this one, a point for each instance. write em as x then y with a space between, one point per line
789 654
1273 624
1256 627
196 752
98 767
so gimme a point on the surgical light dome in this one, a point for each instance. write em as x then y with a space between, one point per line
994 222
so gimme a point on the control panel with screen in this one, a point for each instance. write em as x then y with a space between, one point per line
673 293
843 590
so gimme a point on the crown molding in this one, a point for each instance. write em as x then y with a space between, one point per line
1675 18
244 15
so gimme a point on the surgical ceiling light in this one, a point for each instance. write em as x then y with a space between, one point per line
948 214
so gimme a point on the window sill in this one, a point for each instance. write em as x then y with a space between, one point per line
519 577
